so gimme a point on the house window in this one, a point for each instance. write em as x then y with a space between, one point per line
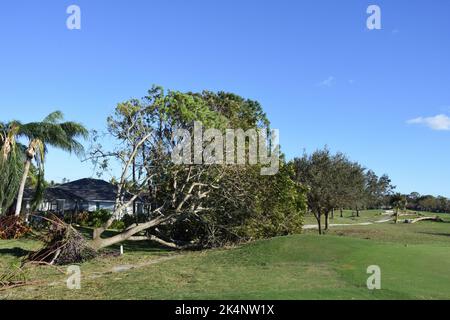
60 204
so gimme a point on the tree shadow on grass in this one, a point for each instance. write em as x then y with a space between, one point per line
16 252
440 234
141 246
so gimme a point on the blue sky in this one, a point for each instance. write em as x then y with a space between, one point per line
321 75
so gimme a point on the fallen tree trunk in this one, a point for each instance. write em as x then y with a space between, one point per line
98 243
436 219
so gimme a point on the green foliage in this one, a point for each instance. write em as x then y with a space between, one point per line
323 174
117 225
430 203
53 132
377 190
95 219
129 219
398 201
98 218
278 207
253 207
11 165
238 112
10 174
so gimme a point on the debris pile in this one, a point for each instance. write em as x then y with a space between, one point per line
63 245
12 227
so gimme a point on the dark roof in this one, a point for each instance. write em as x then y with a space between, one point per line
81 190
91 189
52 194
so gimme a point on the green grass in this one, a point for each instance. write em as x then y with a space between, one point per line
349 217
414 261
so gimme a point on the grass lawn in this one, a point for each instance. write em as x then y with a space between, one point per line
414 261
349 217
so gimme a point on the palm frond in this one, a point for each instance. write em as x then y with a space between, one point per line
11 171
40 189
54 117
75 130
40 184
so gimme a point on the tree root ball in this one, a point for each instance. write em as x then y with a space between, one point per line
64 245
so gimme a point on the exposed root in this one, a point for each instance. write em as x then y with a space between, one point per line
63 245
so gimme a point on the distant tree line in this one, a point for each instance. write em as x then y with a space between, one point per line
418 202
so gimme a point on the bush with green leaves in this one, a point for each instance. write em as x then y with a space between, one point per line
117 225
93 219
129 219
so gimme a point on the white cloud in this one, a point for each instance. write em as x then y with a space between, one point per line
327 82
440 122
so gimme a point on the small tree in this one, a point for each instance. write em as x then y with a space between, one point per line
317 173
398 202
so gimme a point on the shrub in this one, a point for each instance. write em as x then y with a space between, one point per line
129 219
95 219
98 218
118 225
89 219
80 218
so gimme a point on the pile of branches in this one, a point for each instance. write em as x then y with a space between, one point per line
62 245
12 227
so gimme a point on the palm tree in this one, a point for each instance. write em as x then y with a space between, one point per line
398 202
50 132
8 133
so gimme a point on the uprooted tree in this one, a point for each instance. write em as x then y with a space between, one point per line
207 203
